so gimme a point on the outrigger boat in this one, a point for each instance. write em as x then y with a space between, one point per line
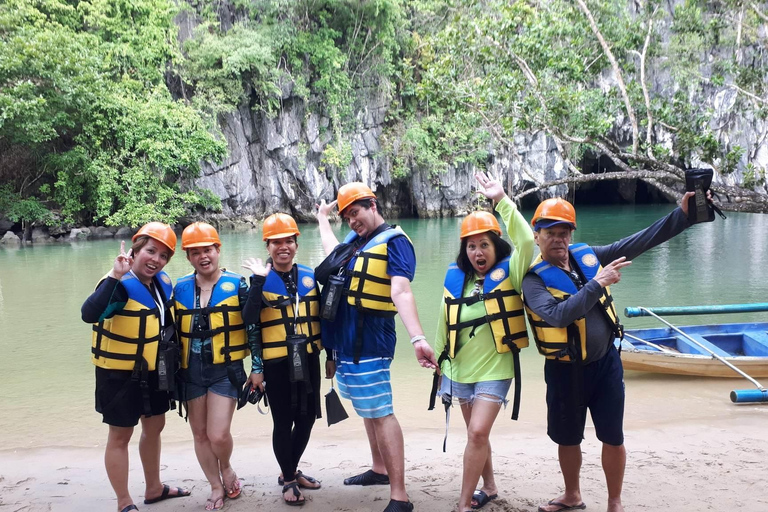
714 350
662 350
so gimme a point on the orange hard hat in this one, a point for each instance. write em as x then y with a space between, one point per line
554 211
160 232
352 192
199 234
279 225
479 222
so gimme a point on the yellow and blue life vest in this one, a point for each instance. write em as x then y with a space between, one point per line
503 308
225 320
370 287
131 336
568 343
277 319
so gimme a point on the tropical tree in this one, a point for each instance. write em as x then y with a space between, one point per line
587 74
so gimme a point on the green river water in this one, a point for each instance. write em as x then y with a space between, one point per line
47 376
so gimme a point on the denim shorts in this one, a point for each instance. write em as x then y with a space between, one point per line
202 376
489 390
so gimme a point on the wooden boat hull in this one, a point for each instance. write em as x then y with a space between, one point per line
743 345
699 366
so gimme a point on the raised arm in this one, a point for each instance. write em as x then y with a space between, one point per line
518 230
109 296
327 237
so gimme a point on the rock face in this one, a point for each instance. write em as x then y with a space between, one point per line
276 165
280 164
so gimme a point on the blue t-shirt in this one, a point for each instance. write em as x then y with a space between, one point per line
379 337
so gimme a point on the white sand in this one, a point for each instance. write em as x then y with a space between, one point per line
688 449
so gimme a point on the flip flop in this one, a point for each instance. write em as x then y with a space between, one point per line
294 486
213 503
129 508
482 499
563 506
370 477
166 495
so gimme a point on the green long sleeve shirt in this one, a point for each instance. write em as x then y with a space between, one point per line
478 360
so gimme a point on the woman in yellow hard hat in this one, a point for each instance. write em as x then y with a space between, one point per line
288 312
133 334
481 331
214 341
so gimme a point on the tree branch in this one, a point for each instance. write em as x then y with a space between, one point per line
759 12
617 72
646 175
643 55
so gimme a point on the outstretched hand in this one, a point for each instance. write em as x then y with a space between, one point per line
611 273
324 209
256 266
123 262
489 187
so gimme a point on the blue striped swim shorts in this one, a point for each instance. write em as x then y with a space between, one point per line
367 385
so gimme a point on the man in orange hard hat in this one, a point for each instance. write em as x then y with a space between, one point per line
377 287
574 323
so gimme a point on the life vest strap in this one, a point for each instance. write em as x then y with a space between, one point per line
369 277
233 348
518 381
503 314
359 296
463 301
224 308
138 313
124 339
210 333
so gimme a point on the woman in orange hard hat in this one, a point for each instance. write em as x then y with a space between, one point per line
481 331
288 312
133 334
214 341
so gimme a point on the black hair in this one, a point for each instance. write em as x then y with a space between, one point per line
364 203
503 249
295 239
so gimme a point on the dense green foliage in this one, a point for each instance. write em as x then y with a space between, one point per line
90 128
85 112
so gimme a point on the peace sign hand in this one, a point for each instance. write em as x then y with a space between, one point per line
123 262
489 187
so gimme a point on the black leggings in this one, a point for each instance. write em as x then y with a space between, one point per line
293 411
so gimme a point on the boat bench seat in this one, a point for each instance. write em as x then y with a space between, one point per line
756 344
685 346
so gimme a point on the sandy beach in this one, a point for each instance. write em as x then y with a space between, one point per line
688 447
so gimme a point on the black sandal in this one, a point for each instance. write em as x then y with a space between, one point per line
294 486
299 474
